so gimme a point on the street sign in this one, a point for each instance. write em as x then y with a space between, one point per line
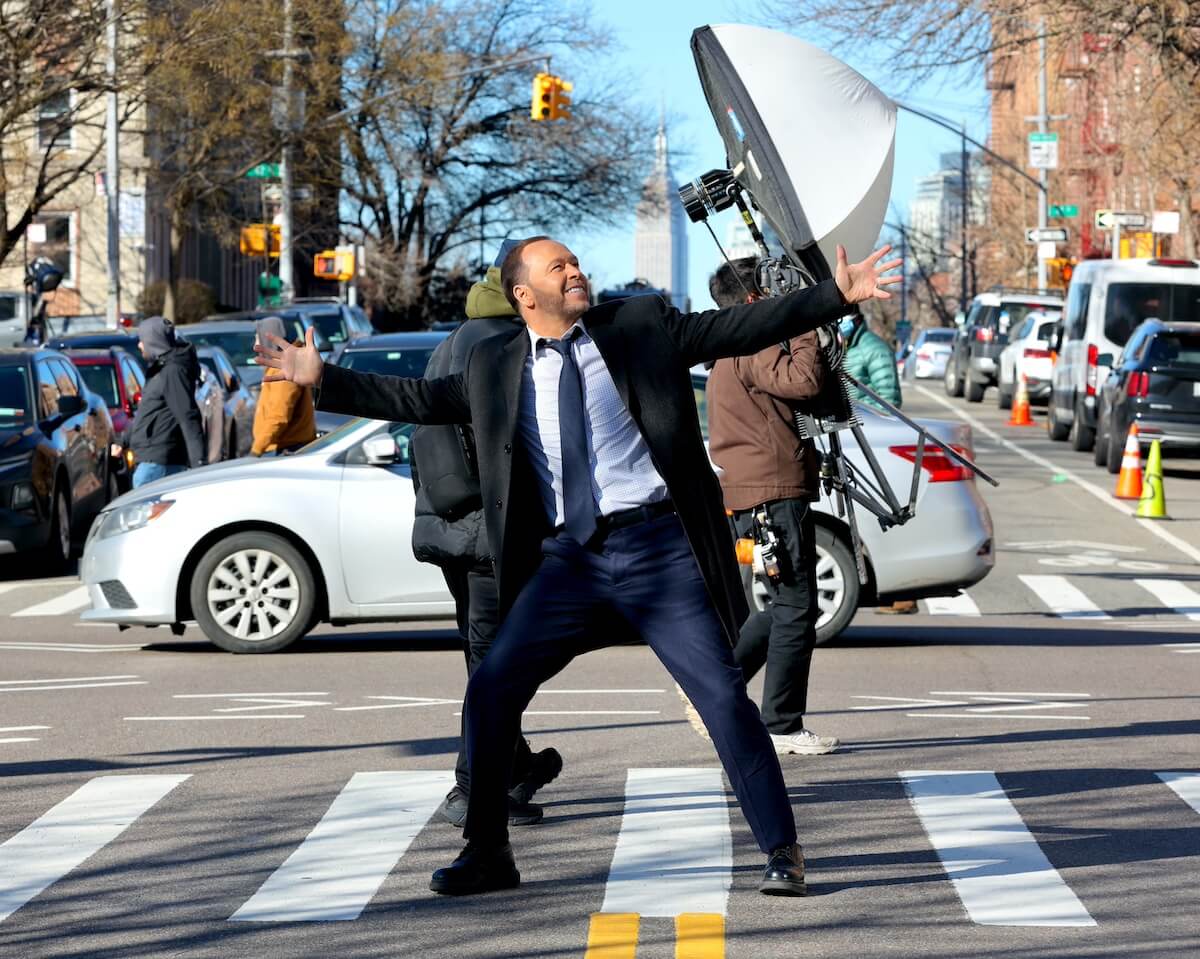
264 171
1165 221
1043 151
1052 234
1107 219
1063 211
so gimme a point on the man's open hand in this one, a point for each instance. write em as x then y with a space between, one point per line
865 280
287 361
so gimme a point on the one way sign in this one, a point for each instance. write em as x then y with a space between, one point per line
1050 234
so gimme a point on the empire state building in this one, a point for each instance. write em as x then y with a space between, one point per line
660 239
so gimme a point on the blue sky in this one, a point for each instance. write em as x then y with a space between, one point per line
656 56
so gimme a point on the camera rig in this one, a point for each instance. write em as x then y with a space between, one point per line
830 414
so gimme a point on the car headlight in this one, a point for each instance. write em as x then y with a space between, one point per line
126 519
22 496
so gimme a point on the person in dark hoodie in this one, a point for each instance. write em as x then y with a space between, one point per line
449 532
167 434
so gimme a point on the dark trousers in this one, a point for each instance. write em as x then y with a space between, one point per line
784 636
645 575
477 609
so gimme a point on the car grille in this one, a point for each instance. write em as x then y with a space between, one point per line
116 595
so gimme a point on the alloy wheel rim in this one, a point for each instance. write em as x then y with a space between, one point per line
253 594
831 588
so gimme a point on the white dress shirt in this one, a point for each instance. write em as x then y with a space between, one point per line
623 475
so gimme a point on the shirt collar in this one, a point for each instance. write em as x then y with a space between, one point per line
535 338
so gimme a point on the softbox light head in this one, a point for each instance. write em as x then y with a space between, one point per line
809 138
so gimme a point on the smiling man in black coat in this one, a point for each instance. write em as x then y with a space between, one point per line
600 500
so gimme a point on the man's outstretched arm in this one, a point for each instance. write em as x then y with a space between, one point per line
374 395
744 330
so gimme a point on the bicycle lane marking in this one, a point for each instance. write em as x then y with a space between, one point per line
1184 547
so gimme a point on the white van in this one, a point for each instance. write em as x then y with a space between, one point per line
14 312
1106 301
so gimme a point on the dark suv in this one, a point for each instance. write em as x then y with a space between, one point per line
973 365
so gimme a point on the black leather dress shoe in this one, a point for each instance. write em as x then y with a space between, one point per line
544 768
784 875
454 810
477 869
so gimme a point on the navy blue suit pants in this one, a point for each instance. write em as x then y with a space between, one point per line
646 575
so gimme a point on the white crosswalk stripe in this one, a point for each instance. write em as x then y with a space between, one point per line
69 602
1173 594
960 605
1062 597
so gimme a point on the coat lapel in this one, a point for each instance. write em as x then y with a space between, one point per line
512 366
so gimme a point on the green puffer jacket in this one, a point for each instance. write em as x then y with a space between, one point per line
870 361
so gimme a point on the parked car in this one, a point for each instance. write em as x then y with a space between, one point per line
1028 355
1155 383
1106 301
971 368
14 317
234 333
238 402
397 354
270 526
927 354
72 325
55 455
339 323
118 379
99 341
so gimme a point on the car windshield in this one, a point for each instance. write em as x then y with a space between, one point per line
14 398
410 362
239 344
1176 349
1128 304
330 324
101 379
1012 315
335 434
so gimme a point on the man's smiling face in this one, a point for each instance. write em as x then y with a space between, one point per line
555 284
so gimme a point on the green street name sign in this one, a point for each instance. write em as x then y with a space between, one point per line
1063 210
264 171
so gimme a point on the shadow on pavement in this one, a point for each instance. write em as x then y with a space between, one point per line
1023 634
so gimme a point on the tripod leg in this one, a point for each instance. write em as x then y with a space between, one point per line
835 449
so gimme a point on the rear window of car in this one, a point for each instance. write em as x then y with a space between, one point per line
1012 315
1045 331
1130 304
939 336
410 362
330 324
239 344
1173 349
14 397
8 307
101 379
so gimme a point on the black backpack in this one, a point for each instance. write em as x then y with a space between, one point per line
445 455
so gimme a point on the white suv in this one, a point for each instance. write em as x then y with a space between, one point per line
1106 301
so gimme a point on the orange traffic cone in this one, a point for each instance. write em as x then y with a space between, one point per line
1020 408
1129 482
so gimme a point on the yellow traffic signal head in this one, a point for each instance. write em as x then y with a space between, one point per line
541 106
560 103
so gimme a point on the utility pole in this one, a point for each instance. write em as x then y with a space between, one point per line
965 209
287 288
1043 174
904 276
112 175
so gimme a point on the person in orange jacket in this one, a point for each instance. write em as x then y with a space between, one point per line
284 419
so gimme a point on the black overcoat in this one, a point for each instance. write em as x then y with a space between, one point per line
649 348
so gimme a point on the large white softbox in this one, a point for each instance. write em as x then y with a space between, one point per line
811 139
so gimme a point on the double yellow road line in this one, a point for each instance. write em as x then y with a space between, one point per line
614 935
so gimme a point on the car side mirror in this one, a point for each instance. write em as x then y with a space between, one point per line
69 406
1104 359
381 450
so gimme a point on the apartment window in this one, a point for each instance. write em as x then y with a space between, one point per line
54 124
53 236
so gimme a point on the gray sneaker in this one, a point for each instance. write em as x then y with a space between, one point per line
805 743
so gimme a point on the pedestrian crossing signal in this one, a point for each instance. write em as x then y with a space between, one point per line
334 265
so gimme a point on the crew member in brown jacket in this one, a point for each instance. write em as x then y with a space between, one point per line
768 471
284 418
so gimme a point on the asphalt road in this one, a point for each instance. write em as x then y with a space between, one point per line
1020 778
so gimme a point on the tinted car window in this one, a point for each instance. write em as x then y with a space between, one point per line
129 374
939 336
208 363
239 344
8 308
1077 306
47 391
1045 331
14 397
101 379
68 379
330 324
1175 349
392 362
1128 304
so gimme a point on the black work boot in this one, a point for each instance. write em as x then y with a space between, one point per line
544 767
454 810
784 874
477 869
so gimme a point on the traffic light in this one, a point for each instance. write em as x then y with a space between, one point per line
1059 270
541 107
269 289
560 103
256 237
334 265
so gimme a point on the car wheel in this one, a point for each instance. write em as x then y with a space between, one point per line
1082 437
1004 398
1114 448
253 593
951 381
1057 431
56 554
1100 450
837 587
975 391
